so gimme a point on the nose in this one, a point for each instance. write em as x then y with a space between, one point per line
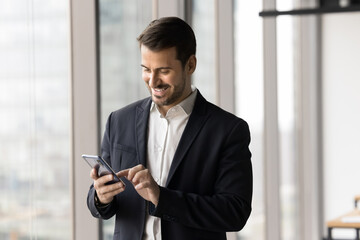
153 79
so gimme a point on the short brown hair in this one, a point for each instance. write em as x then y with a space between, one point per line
170 32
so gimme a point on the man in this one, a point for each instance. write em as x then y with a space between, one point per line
186 161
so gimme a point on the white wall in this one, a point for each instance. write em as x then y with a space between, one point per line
341 112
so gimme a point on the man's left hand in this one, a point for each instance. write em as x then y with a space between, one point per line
143 182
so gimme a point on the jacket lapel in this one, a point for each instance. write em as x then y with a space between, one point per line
141 124
197 119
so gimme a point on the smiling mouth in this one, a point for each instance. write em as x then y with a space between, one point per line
160 90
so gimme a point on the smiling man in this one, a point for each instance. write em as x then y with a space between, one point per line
185 161
168 81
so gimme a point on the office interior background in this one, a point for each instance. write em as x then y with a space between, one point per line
65 65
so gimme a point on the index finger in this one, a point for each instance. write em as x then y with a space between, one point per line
133 171
123 173
130 172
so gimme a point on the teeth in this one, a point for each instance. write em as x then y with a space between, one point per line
159 89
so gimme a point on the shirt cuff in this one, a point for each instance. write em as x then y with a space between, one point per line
98 204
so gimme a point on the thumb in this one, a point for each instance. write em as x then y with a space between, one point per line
93 174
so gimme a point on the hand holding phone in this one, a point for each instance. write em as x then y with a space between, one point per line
102 167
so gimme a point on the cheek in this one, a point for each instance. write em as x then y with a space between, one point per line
171 79
145 77
178 81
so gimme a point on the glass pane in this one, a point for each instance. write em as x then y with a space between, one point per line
288 5
285 5
203 24
35 200
121 22
249 102
289 189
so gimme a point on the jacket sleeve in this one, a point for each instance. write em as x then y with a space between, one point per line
229 207
110 210
103 212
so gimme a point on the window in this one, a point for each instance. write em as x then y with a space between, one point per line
287 65
289 188
121 22
249 102
203 24
35 121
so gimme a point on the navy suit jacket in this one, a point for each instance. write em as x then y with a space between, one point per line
209 187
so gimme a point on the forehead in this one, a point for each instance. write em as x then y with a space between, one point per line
161 58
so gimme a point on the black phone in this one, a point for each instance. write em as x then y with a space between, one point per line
102 167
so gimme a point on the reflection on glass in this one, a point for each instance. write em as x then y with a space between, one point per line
121 22
286 5
34 122
249 102
286 109
203 23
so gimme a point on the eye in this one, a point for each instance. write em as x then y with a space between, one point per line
164 71
147 70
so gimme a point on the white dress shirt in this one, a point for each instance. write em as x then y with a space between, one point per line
163 138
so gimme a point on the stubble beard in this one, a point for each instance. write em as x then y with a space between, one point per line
174 97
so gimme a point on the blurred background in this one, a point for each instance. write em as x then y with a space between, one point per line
294 77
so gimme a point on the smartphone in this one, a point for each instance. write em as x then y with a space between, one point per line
102 167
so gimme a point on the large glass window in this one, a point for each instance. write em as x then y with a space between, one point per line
289 190
249 101
289 185
203 23
35 200
121 22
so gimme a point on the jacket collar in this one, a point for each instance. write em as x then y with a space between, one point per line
141 126
196 120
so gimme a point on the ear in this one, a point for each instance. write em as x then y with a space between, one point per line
191 65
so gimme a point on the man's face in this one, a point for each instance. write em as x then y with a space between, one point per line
168 82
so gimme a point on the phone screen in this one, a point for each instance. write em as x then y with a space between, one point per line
102 167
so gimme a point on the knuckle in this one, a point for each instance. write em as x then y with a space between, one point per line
130 173
99 192
109 177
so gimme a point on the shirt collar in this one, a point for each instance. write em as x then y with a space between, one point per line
187 104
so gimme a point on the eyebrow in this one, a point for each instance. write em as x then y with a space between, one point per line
159 68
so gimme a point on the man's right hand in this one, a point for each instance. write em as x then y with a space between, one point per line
106 193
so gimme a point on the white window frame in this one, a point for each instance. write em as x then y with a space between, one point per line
271 128
85 115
